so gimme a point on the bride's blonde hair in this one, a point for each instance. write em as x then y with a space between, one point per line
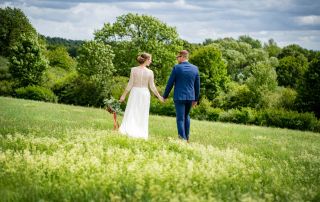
143 57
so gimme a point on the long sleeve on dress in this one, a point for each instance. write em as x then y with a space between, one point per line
152 85
130 83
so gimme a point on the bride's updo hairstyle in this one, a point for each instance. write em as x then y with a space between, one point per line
143 57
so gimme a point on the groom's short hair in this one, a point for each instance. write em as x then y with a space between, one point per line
184 53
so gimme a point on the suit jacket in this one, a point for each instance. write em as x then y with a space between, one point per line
186 81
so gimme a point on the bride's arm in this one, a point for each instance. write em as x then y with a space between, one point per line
153 87
128 88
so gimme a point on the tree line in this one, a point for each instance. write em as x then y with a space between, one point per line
236 74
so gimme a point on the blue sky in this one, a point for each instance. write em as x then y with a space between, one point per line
286 21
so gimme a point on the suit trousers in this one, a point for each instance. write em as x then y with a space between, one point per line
183 108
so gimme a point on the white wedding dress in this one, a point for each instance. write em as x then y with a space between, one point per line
136 116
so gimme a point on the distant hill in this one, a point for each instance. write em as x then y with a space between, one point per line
71 45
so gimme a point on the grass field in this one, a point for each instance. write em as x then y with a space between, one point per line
53 152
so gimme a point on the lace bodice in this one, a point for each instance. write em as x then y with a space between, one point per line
142 77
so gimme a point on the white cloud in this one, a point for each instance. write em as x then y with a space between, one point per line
194 20
308 20
177 5
78 22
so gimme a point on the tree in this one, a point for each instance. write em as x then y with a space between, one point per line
95 63
207 41
291 70
236 96
61 67
13 23
191 47
232 44
240 57
235 62
212 69
272 48
293 50
95 60
257 57
263 80
59 57
309 91
27 62
235 54
132 34
95 76
255 43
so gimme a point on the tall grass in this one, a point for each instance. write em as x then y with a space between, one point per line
54 152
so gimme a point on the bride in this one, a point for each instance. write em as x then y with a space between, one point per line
136 116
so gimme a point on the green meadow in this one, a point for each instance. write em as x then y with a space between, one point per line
55 152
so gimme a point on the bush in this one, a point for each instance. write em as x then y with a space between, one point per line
213 114
281 98
237 96
55 76
243 115
287 119
287 99
79 91
4 69
165 109
317 128
117 88
36 93
200 112
6 88
267 117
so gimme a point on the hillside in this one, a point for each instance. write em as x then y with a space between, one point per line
57 152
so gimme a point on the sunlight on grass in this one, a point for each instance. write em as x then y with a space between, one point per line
69 153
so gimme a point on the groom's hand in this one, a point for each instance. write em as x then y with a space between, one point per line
194 103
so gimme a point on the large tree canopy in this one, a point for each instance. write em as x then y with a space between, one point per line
95 62
255 43
132 34
59 57
27 62
291 70
13 23
309 91
213 70
240 56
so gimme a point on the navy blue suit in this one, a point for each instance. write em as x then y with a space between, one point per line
186 81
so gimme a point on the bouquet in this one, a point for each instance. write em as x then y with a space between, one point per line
113 107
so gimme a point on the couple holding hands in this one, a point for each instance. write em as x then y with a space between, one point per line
186 81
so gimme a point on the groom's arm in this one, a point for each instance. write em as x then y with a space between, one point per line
197 87
170 84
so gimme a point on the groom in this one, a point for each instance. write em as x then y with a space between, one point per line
186 81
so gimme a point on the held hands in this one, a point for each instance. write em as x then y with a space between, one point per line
161 99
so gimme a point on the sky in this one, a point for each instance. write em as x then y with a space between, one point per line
286 21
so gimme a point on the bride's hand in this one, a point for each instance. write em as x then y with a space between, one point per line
122 98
